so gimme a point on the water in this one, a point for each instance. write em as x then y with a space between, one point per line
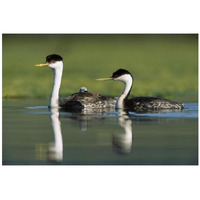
34 135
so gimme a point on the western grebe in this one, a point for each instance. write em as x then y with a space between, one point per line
81 100
139 104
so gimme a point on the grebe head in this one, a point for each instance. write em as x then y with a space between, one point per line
122 75
53 61
83 90
119 75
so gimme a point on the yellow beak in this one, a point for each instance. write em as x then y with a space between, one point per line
104 79
42 65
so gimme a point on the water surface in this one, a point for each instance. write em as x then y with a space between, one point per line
35 135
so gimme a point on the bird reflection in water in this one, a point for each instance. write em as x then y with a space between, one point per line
122 142
55 150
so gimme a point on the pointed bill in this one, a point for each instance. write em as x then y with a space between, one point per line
42 65
103 79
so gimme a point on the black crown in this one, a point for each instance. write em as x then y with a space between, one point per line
53 57
120 72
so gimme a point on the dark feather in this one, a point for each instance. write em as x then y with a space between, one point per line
151 103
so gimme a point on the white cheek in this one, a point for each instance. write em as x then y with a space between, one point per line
56 65
52 65
124 78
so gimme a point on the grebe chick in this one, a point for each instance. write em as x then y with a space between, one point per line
81 100
139 104
83 90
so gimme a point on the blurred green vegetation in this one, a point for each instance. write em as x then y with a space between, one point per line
162 64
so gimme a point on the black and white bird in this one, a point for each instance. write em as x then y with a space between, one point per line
139 104
81 100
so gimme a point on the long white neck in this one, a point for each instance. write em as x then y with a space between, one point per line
128 81
57 77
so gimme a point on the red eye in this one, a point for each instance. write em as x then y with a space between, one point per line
51 61
115 76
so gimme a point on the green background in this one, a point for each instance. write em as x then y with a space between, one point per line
162 64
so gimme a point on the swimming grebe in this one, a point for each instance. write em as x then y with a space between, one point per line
139 104
81 100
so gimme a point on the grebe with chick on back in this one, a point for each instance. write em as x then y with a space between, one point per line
139 104
81 100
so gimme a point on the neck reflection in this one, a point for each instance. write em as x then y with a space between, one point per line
122 142
55 151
